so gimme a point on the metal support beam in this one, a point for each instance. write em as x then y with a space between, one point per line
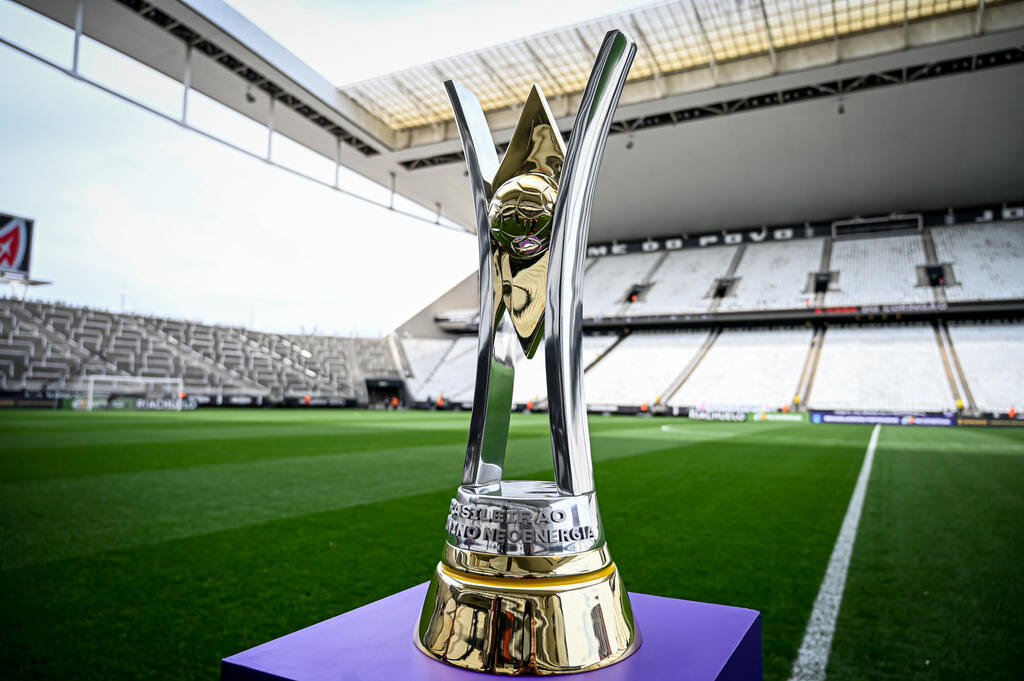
906 24
651 58
437 215
712 63
270 126
79 11
414 98
391 199
542 67
187 82
771 41
979 26
492 75
835 32
173 118
337 162
582 39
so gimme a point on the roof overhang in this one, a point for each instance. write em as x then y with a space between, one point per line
718 146
922 129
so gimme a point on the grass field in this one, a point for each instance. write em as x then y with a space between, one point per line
152 545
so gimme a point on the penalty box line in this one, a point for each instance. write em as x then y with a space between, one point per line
812 659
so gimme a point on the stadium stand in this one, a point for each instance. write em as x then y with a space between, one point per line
682 283
444 368
424 355
881 369
452 378
878 271
608 282
988 262
991 358
34 355
52 346
373 357
747 369
531 375
777 275
641 368
330 358
774 276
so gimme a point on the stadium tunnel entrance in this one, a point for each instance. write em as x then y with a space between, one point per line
385 393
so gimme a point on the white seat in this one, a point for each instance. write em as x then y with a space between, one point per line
881 368
878 271
991 357
756 369
682 284
609 279
641 367
988 261
774 276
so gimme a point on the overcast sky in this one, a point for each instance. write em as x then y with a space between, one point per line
125 201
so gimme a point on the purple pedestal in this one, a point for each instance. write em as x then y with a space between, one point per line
681 640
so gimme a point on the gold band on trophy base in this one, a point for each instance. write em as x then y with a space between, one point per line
541 623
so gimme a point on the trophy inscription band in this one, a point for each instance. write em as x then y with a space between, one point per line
526 583
517 524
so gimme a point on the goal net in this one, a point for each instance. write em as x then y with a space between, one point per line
134 392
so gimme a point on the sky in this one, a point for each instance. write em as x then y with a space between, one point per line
352 40
135 212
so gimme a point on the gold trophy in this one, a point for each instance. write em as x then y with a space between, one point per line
526 584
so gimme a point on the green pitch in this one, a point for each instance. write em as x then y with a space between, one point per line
152 545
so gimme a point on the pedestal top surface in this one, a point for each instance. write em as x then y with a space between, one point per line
680 640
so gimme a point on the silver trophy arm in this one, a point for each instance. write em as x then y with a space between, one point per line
570 436
492 396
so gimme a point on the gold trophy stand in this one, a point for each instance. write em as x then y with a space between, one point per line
527 614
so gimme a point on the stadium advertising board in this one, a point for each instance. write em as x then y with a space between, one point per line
791 417
717 415
15 244
993 422
758 235
883 419
762 233
28 400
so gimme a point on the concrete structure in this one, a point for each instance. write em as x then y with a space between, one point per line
850 107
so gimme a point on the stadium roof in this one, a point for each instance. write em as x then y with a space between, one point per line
671 36
728 121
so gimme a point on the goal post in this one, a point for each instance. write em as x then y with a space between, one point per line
157 393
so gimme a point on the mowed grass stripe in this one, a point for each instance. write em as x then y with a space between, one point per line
724 521
51 448
49 519
935 586
172 610
71 429
745 522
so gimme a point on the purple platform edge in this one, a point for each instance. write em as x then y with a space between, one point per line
681 640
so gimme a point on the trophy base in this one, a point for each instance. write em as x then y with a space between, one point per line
516 625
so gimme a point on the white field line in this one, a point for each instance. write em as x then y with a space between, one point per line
1009 449
812 659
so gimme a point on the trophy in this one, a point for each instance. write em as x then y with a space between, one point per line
526 584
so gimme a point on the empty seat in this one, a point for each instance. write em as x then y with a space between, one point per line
991 358
683 282
641 367
878 271
881 368
988 260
